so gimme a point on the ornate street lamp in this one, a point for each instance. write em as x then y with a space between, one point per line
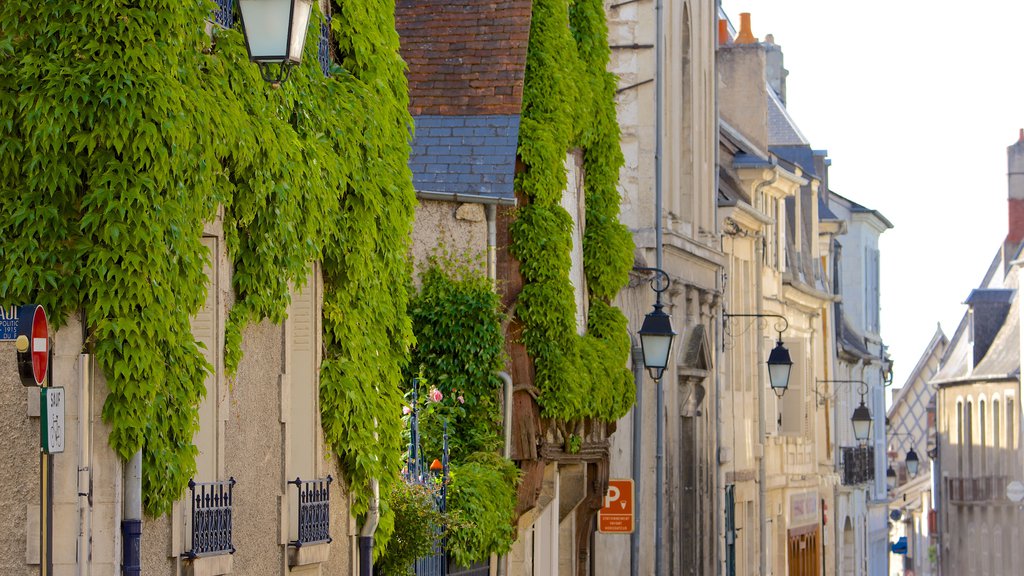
890 478
779 367
861 422
913 462
780 364
275 32
656 333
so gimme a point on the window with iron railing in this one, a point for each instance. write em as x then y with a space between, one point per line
211 518
858 465
314 511
224 13
324 46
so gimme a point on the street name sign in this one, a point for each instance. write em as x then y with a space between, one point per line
51 421
8 323
616 516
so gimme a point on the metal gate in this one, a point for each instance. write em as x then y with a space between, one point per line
416 472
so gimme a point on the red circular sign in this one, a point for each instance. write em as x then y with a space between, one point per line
40 345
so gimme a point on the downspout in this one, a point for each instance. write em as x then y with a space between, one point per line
368 530
719 288
84 464
491 210
506 381
638 411
762 428
131 524
659 85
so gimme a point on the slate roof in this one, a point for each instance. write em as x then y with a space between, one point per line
473 155
782 130
467 62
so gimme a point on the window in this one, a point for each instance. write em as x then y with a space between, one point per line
302 368
983 444
969 438
960 439
997 440
792 404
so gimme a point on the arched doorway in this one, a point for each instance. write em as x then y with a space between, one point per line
849 567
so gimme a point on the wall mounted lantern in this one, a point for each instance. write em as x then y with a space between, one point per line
890 478
656 333
913 462
861 422
780 364
275 32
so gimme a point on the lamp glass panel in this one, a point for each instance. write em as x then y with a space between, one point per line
778 375
861 428
266 25
912 463
300 24
656 349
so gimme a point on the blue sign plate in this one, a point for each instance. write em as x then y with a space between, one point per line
8 323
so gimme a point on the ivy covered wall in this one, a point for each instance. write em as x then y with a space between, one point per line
568 103
123 128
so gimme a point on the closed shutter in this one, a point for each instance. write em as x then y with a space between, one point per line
205 331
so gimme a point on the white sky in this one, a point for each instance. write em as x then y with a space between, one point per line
915 102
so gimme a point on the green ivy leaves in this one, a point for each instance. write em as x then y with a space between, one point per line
123 129
568 101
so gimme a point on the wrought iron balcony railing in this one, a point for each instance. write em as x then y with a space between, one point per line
314 513
858 465
224 14
324 46
211 518
981 489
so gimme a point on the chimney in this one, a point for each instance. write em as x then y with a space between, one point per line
987 310
1015 199
723 31
775 71
745 35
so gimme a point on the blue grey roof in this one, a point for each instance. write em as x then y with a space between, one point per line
465 154
782 130
801 156
990 295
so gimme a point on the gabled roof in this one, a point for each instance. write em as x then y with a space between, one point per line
936 347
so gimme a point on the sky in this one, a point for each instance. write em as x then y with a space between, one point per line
916 103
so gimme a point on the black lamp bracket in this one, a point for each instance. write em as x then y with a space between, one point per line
659 283
781 324
823 396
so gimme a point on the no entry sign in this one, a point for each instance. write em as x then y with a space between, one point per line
33 344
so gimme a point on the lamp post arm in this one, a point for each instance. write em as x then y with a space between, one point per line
782 321
659 283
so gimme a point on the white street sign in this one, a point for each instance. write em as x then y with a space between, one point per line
51 421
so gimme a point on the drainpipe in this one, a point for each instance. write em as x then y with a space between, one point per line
506 380
659 86
84 464
491 210
131 524
762 428
368 530
638 411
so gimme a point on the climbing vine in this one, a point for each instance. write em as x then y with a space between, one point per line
568 102
459 350
123 130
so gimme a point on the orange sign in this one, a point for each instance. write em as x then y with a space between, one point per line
616 516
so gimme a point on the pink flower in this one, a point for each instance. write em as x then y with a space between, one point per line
406 410
435 395
461 399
